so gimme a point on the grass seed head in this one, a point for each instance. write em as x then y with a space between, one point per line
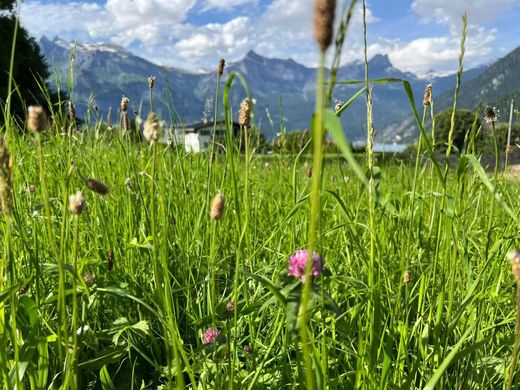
97 186
36 119
427 99
217 207
6 185
71 110
324 11
89 278
151 82
152 128
220 68
110 259
491 114
77 203
244 117
124 103
514 258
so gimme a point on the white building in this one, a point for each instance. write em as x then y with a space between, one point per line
197 137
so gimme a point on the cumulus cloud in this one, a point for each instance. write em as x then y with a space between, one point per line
217 39
164 32
227 4
450 11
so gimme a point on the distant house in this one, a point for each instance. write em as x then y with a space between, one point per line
197 137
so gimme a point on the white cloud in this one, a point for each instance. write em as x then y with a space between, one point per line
159 28
450 11
214 40
226 4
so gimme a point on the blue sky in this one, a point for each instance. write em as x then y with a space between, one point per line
419 36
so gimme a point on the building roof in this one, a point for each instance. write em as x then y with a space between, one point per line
195 127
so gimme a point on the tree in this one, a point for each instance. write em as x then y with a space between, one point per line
463 123
29 66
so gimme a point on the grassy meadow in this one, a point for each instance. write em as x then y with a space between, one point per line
177 270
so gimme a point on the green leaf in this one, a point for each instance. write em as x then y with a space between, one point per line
333 125
42 371
106 381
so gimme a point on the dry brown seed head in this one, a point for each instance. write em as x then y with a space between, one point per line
124 103
152 128
110 259
6 185
97 186
77 203
217 207
72 110
230 307
324 11
427 99
36 119
89 278
514 258
244 116
220 68
309 171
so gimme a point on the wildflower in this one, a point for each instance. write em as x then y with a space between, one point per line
324 22
89 278
97 186
514 258
36 119
152 128
491 115
6 185
77 203
217 207
244 117
230 307
298 261
221 65
151 82
211 336
248 350
407 277
427 99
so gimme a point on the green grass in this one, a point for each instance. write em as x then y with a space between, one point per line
461 284
121 295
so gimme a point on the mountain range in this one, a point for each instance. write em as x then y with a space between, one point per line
282 88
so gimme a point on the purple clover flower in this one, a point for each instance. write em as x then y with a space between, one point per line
298 261
210 336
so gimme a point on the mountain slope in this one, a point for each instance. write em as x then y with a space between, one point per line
496 86
283 89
